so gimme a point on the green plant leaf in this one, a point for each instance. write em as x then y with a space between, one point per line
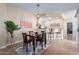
11 27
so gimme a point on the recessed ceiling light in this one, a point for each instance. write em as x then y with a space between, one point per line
56 17
49 18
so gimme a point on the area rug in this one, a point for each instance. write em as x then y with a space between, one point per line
38 51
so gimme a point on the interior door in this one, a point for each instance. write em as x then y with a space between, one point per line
70 31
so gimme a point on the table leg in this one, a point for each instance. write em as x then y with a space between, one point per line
34 45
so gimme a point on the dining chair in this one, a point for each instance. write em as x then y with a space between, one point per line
44 38
27 40
31 32
41 38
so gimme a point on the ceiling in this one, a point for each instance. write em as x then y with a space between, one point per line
47 7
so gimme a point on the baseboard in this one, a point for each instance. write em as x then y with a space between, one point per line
9 44
3 47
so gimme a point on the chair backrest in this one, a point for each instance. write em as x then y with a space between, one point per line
24 37
42 31
36 34
31 35
31 32
43 35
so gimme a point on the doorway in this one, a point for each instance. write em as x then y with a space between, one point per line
70 31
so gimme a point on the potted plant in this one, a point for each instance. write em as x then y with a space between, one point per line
11 27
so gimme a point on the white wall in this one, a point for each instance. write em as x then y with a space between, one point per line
8 12
74 21
77 37
70 17
3 16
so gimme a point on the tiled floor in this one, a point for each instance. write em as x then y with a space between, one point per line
57 47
